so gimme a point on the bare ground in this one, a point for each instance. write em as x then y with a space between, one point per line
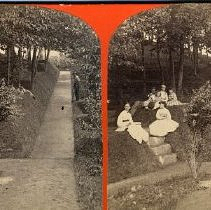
46 180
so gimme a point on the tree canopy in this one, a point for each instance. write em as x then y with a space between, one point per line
28 31
175 34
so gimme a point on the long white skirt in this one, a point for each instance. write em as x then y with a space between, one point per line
162 127
138 133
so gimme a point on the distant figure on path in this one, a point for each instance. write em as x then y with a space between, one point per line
76 86
125 122
164 124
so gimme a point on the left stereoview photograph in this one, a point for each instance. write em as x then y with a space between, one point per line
50 111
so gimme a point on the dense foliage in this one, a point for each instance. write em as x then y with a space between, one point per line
161 42
198 117
29 33
8 105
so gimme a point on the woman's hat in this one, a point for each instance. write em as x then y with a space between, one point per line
163 86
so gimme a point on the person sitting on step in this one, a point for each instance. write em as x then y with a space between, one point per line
163 123
125 122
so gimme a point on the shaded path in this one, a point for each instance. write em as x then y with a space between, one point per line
199 200
46 181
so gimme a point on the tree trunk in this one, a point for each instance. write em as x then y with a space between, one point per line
193 165
8 64
144 70
20 70
47 54
33 66
160 67
171 67
207 56
181 68
195 58
29 54
39 53
193 161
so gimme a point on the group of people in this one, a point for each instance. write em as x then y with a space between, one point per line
163 123
155 97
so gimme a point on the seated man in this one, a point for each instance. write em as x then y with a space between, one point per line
151 98
163 94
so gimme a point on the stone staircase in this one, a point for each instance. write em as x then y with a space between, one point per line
162 150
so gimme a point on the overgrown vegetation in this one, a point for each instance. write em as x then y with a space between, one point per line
159 196
162 45
19 132
198 116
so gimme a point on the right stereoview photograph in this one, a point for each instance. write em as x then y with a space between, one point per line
159 110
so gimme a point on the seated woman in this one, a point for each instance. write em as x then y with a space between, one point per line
125 122
164 124
172 101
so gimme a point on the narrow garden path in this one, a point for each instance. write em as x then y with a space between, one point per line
199 200
178 169
46 180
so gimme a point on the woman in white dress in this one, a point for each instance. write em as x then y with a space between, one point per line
173 101
125 122
164 124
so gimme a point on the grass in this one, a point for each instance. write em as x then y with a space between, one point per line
162 195
88 167
18 133
127 158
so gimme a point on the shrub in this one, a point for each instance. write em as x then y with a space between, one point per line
198 117
8 105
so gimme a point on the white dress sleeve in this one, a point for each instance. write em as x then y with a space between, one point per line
158 115
166 97
130 118
120 120
168 114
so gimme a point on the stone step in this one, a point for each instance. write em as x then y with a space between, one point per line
156 141
162 149
168 159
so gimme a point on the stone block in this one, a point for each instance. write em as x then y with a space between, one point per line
156 141
168 159
162 149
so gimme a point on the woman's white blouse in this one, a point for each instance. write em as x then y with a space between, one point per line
124 119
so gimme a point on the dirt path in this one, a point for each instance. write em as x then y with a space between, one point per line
46 180
199 200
